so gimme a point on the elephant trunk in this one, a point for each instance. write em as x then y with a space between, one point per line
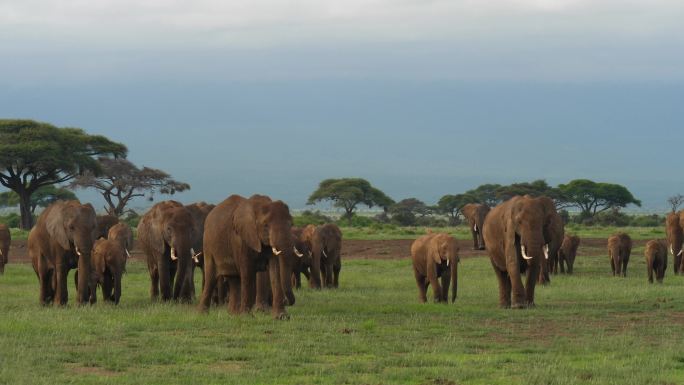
181 288
286 261
454 279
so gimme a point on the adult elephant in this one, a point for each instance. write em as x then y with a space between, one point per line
674 225
62 239
199 212
514 233
619 250
241 237
554 232
104 223
435 257
476 213
5 241
656 259
325 243
166 233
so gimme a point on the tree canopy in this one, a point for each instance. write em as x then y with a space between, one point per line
595 197
450 205
120 181
35 154
535 188
486 194
405 211
43 197
347 193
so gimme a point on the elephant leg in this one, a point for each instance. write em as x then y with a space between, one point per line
445 280
154 284
209 280
278 305
530 284
117 288
315 279
329 276
677 264
649 267
107 286
234 292
476 239
297 280
164 280
336 271
263 291
517 289
247 286
60 282
504 288
44 278
612 266
422 287
561 262
624 267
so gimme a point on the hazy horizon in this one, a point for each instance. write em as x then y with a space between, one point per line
420 98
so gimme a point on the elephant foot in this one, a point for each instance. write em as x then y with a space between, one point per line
519 306
531 305
482 248
281 316
262 308
504 305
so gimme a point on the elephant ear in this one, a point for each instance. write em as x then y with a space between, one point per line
56 227
433 250
244 223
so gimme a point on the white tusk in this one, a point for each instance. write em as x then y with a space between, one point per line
672 250
447 263
475 228
78 252
192 251
275 251
324 254
128 255
297 253
310 253
1 253
680 252
546 251
173 254
524 253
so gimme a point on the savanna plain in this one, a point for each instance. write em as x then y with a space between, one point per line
587 328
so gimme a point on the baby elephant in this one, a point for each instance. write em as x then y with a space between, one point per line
656 259
435 255
109 261
619 249
568 252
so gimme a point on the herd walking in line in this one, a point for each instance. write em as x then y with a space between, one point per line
251 256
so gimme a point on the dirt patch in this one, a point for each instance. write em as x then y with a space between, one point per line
92 370
362 249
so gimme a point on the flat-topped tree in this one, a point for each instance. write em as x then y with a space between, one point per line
450 205
347 193
43 197
35 154
594 197
120 181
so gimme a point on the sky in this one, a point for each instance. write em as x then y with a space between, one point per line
422 98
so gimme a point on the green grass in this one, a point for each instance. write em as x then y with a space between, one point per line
589 328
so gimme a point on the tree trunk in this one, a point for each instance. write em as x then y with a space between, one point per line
25 209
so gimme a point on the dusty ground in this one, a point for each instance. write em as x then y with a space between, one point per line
352 249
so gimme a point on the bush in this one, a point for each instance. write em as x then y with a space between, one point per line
132 219
356 221
647 220
12 220
308 217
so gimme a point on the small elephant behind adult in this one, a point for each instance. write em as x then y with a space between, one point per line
303 264
325 243
656 259
619 250
568 253
435 257
475 213
5 241
109 264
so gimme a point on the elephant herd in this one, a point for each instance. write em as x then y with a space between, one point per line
249 252
525 234
251 255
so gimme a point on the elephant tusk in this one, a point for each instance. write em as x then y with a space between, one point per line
1 254
173 254
275 251
78 252
546 251
324 254
680 253
524 253
475 228
128 255
672 250
195 257
447 262
297 253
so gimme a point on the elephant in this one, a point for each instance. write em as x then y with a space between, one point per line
619 249
303 264
199 212
243 236
515 236
675 236
166 234
435 256
62 239
656 259
325 243
475 213
568 252
554 232
109 262
5 241
104 223
123 234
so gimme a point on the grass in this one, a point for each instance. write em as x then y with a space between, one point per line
588 328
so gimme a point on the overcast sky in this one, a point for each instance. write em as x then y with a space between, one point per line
421 97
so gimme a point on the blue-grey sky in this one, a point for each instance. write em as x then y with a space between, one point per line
423 98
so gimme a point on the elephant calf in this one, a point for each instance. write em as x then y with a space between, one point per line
5 240
568 252
109 261
435 256
656 259
619 250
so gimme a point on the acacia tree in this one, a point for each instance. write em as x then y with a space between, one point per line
43 197
120 181
405 211
535 188
675 201
347 193
35 154
450 205
486 194
592 197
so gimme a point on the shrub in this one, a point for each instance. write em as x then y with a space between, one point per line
12 220
308 217
653 220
